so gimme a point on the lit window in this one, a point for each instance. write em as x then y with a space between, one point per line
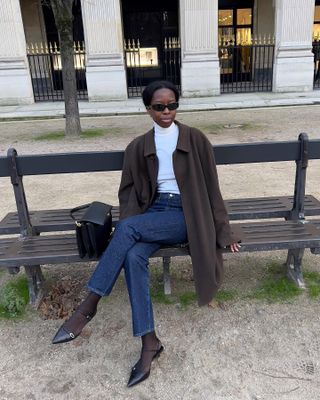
145 57
244 16
225 17
316 25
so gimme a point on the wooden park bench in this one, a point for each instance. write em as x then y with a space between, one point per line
280 221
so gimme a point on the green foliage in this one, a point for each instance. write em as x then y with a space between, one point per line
187 298
225 295
158 296
275 287
51 136
277 290
312 280
184 299
92 133
14 297
86 134
248 126
214 129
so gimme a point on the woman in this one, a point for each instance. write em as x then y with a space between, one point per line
169 193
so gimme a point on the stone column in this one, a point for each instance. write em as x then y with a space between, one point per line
15 80
200 72
105 69
293 65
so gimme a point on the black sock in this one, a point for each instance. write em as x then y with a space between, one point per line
150 345
78 320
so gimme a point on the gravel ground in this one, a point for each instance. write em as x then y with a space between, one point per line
242 349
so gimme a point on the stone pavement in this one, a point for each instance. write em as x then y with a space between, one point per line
134 106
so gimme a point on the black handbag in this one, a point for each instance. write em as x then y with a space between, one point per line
93 229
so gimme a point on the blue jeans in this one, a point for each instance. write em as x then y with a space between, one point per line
134 240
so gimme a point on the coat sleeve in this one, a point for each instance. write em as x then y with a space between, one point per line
224 233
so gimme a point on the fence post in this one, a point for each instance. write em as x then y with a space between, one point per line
45 70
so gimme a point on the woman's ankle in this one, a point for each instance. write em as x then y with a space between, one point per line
150 341
90 303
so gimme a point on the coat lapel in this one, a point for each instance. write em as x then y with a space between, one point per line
151 160
184 138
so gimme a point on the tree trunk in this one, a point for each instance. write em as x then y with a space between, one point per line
62 11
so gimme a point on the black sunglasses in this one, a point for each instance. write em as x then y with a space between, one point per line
162 107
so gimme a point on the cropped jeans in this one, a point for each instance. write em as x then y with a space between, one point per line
134 240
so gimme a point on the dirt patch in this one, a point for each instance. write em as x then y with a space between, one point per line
61 299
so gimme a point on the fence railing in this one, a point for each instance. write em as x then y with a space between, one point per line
144 65
172 61
246 67
316 53
46 71
133 67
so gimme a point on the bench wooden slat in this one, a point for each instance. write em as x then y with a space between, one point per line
249 208
268 207
277 235
256 236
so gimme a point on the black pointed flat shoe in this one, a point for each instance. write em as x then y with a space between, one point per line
138 375
63 335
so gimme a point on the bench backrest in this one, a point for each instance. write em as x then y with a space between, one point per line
41 164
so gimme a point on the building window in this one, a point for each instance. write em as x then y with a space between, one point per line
316 25
235 26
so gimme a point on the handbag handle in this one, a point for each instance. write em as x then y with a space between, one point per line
74 210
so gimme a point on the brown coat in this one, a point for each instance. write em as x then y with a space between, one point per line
205 214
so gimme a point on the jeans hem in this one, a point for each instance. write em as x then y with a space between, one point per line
143 333
96 291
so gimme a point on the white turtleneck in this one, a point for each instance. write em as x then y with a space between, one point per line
166 142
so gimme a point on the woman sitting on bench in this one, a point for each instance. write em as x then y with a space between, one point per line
169 194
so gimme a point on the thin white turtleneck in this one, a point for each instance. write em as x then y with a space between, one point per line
166 142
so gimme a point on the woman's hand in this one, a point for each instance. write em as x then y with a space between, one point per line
234 247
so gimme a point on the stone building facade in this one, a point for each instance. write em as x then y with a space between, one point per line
200 26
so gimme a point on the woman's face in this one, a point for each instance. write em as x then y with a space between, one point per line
166 117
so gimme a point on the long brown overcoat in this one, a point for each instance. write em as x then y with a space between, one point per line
205 214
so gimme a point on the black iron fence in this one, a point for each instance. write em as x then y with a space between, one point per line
246 67
133 67
46 71
144 65
316 53
172 61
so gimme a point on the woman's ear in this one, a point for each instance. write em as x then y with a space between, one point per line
148 109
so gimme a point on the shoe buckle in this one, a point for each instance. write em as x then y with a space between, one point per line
71 335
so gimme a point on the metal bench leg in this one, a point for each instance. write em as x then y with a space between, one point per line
35 281
166 275
294 262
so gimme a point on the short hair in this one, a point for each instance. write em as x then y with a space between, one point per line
149 90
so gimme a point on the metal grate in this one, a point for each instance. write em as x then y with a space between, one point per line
316 52
247 67
46 71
